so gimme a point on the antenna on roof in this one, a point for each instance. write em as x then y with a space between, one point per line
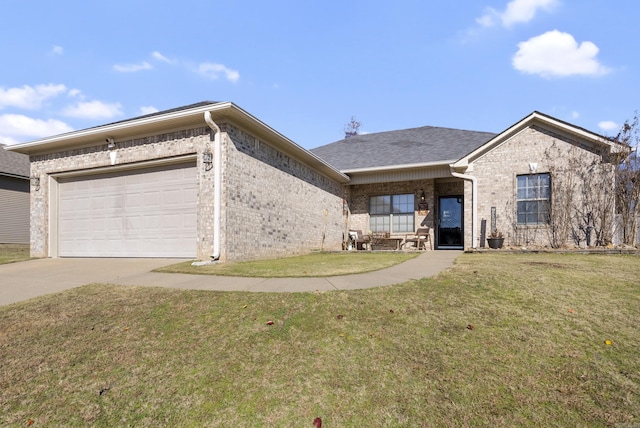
351 128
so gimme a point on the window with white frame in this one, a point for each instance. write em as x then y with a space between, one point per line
392 213
533 199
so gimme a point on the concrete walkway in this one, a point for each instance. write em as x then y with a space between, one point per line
25 280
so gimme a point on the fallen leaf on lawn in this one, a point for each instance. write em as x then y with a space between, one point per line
269 322
608 342
391 311
244 307
340 317
469 327
571 311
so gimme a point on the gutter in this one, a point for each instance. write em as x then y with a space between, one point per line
474 202
399 167
217 183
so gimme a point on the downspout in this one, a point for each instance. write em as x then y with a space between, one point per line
217 184
474 202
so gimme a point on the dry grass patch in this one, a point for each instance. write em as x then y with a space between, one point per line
10 253
320 264
494 341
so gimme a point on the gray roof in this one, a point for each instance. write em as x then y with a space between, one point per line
13 164
427 144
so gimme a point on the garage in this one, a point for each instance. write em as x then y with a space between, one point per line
149 212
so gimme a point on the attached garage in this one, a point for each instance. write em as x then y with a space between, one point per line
148 212
206 181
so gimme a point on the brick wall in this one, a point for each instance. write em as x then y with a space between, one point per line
360 194
273 204
497 173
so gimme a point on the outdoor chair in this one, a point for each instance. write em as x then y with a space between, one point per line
359 240
419 239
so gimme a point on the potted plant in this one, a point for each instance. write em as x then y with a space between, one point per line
495 239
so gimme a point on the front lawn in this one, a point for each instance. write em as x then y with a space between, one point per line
499 340
10 253
310 265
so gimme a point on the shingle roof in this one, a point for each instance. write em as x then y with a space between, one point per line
426 144
158 113
14 164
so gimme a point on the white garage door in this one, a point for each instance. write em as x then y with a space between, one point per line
140 213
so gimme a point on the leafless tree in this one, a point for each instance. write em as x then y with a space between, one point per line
628 181
582 200
351 129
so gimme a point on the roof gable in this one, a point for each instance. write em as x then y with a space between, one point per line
545 121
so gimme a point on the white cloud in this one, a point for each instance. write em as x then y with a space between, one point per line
157 55
575 115
93 110
28 97
75 93
17 125
213 71
57 50
608 125
8 141
132 68
557 54
516 12
148 110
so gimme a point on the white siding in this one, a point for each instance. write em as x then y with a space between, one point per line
14 211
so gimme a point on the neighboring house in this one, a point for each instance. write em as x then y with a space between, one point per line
211 181
14 197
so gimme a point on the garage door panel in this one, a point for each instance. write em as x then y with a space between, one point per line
141 213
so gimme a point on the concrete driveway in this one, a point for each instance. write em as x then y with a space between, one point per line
25 280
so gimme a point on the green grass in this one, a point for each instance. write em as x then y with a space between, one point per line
10 253
498 340
311 265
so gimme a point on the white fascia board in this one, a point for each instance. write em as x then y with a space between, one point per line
398 167
462 163
220 110
119 126
286 144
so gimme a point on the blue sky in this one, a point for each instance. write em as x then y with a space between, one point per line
305 68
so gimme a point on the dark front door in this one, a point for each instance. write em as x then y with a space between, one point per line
450 233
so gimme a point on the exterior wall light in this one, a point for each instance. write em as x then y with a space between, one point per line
207 160
423 205
35 181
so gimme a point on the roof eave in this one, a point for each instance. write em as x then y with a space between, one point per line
115 130
149 125
535 117
8 174
398 167
261 129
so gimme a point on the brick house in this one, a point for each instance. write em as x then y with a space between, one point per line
14 197
210 180
464 177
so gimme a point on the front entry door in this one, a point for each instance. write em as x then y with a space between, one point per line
450 221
